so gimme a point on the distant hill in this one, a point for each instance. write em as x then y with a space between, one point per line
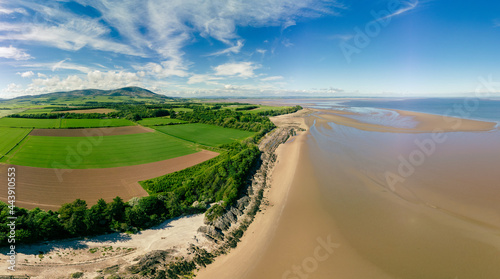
135 92
89 97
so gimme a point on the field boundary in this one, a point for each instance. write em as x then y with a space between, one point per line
180 137
18 143
41 187
85 132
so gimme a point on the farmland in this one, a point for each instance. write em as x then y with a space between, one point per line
265 108
36 111
158 121
62 123
99 152
10 137
64 165
97 110
5 112
205 134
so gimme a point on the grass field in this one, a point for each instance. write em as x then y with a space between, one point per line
5 112
183 109
205 134
158 121
95 152
10 137
36 111
263 108
91 123
63 123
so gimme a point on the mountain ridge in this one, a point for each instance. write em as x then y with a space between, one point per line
130 91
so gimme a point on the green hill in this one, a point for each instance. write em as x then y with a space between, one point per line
87 96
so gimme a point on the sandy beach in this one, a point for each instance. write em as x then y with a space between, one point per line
61 258
333 212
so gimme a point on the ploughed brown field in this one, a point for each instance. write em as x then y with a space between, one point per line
101 110
113 131
50 188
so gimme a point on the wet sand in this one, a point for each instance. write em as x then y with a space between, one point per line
388 203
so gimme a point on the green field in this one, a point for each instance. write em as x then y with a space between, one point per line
63 123
30 123
90 123
264 108
158 121
36 111
205 134
10 137
95 152
183 109
5 112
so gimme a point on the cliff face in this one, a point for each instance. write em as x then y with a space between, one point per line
220 228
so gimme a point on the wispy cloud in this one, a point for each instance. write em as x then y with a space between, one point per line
155 26
70 66
406 7
232 49
157 30
14 53
341 37
272 78
8 11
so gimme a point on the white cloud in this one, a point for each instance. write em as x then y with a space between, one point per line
233 49
62 29
261 51
69 66
156 29
241 69
12 90
272 78
407 6
93 79
14 53
173 67
286 42
207 79
153 27
288 23
341 37
26 74
13 11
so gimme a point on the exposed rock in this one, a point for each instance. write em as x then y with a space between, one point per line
211 232
215 229
151 260
236 211
242 203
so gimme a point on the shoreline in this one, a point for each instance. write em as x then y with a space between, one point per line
253 258
261 230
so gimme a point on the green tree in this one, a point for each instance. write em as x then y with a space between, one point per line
116 210
72 217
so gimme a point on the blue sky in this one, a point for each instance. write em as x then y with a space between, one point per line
251 48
